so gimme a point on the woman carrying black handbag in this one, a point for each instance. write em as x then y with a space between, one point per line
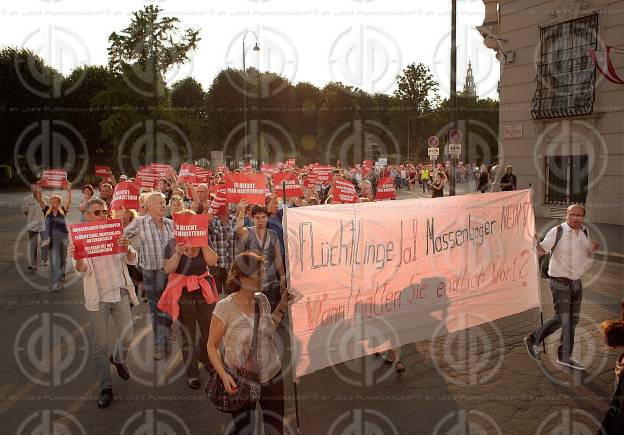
613 422
244 323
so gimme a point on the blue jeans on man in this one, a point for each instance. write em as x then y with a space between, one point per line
567 298
154 283
58 260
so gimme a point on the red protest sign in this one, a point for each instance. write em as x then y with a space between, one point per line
53 178
188 174
191 229
385 189
344 192
293 188
245 186
147 180
95 239
323 174
103 171
126 195
368 164
218 206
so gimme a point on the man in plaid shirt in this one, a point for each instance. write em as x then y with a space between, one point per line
151 233
222 239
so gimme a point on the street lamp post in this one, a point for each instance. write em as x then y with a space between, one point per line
453 96
256 48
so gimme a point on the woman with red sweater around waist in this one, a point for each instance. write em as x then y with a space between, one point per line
190 296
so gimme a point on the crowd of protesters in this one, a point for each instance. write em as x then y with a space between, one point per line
210 293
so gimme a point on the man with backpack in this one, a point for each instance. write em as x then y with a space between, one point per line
570 257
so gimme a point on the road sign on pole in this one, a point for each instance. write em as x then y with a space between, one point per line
433 152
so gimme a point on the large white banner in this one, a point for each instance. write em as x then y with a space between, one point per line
381 274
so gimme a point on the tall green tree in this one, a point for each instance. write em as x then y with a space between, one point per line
150 46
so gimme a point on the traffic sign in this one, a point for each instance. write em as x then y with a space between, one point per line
454 150
433 152
454 136
433 142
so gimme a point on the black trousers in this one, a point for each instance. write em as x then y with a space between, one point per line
272 410
567 298
194 310
220 276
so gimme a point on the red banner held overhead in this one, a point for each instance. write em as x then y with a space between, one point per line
344 192
293 188
126 195
191 229
323 174
55 178
95 239
147 180
218 206
245 186
103 171
385 189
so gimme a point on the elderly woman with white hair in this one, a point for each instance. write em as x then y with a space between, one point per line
366 191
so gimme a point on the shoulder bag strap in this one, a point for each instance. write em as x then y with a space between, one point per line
253 350
559 235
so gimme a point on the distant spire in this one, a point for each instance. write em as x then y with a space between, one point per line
470 89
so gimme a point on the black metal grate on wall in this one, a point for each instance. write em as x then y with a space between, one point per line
566 180
565 72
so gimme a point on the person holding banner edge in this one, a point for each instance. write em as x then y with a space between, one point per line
569 261
109 293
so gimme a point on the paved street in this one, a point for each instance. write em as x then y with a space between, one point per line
476 381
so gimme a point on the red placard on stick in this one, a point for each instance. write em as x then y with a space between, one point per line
344 192
385 189
191 229
293 188
245 186
55 178
126 195
95 239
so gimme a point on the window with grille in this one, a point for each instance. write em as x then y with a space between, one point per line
566 180
565 73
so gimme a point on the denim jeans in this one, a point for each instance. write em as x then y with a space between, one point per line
34 239
154 283
567 298
99 320
58 259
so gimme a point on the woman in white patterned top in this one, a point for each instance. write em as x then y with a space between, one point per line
232 324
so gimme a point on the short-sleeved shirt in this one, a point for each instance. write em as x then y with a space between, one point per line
238 336
187 266
569 259
55 225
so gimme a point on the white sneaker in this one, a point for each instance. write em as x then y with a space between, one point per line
572 363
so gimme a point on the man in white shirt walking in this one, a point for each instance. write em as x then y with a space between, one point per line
108 293
35 228
571 251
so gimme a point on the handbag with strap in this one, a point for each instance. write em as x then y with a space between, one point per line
613 421
246 378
